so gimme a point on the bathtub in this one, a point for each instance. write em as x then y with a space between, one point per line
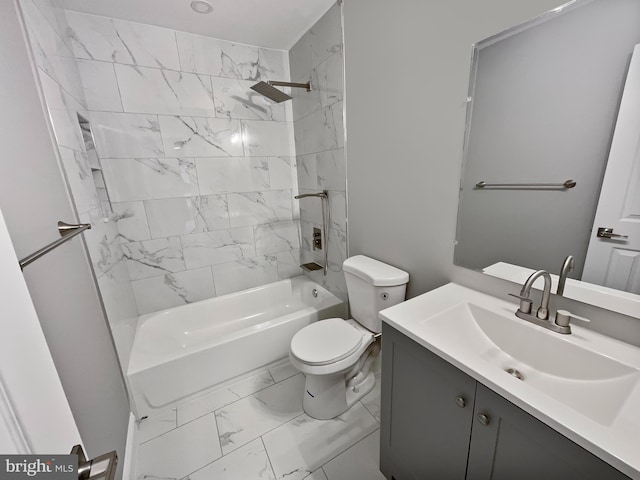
184 351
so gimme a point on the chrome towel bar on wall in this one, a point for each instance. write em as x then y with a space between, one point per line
567 184
67 232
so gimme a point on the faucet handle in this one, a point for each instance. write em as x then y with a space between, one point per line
563 318
562 321
525 303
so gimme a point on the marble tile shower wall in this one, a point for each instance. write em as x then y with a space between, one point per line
319 140
200 169
59 77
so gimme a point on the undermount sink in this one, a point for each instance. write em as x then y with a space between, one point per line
585 380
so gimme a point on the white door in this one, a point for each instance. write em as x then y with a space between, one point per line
35 417
615 262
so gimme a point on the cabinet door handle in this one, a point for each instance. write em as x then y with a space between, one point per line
460 401
484 419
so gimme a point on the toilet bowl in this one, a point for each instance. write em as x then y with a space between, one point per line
335 354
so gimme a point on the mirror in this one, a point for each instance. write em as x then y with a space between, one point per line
544 100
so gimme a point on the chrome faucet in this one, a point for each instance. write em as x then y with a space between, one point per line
543 310
541 317
567 266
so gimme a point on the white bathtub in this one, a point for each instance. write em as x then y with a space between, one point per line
183 351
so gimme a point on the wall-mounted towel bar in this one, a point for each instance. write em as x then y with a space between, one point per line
67 232
567 184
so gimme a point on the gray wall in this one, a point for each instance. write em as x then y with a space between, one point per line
407 73
406 77
33 197
544 110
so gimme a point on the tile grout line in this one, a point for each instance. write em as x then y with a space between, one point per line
369 411
346 449
337 454
177 114
266 452
223 455
265 433
235 401
186 477
341 452
204 466
224 406
155 67
212 411
215 419
163 433
375 421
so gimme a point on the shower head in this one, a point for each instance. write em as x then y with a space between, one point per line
270 92
267 89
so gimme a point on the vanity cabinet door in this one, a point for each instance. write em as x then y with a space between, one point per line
426 413
507 443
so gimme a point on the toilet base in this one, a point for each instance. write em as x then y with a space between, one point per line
327 396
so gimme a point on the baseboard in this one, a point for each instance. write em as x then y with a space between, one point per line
131 450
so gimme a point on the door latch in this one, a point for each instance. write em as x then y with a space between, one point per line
102 467
608 233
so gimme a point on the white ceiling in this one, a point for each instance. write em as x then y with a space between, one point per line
266 23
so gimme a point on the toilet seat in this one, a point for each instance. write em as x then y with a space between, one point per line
325 342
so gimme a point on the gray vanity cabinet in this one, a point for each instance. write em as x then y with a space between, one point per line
507 443
438 423
426 411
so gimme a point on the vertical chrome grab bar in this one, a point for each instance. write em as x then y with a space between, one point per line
67 232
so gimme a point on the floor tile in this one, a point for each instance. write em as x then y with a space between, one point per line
246 463
371 400
283 371
302 445
156 425
180 451
255 415
317 475
358 462
222 397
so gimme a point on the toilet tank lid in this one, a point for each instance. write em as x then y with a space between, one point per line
375 272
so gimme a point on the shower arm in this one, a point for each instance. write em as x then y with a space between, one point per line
326 219
268 89
275 83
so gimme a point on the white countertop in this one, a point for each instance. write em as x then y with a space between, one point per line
616 440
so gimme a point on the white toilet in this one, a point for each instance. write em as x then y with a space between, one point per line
336 354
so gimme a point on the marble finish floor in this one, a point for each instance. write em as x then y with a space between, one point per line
255 429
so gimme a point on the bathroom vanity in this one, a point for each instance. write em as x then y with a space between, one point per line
451 410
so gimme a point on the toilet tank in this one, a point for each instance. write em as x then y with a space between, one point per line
372 286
